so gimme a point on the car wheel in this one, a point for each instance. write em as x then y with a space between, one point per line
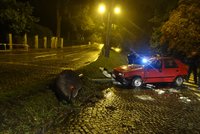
178 81
136 82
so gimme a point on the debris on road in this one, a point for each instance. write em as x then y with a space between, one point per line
172 90
108 76
184 99
105 72
116 82
145 97
159 91
150 86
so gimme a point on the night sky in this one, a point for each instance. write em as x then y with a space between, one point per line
135 13
134 10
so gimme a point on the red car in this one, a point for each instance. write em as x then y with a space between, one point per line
156 70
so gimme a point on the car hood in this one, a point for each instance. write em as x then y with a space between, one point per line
128 68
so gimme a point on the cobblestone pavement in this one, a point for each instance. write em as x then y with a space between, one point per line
138 111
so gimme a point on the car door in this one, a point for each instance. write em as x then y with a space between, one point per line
153 72
170 70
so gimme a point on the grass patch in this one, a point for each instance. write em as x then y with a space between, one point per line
92 70
33 108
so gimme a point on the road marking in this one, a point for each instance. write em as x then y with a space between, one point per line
35 65
46 55
69 55
198 96
75 59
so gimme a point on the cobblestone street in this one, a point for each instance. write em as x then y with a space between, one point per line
138 111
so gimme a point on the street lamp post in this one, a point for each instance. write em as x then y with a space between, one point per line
109 14
108 30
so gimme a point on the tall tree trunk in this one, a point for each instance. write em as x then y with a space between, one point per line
59 18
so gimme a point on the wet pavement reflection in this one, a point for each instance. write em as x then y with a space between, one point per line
162 109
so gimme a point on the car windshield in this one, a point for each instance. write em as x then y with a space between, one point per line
153 63
149 61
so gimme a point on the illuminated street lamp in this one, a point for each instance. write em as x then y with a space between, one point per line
102 9
117 10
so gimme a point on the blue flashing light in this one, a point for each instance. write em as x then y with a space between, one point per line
144 60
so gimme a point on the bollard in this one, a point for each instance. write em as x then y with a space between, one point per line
52 42
36 41
25 39
56 42
10 41
4 46
61 42
45 42
25 42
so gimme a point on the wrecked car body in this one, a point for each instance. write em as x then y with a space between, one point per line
156 70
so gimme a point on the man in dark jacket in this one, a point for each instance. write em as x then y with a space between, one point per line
199 79
192 62
198 71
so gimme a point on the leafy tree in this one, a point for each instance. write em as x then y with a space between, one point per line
161 12
182 31
16 17
40 30
116 36
83 23
61 5
72 12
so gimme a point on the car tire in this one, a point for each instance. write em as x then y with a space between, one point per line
136 82
178 81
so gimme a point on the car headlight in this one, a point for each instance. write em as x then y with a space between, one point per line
121 74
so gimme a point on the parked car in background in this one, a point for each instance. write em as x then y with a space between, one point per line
156 70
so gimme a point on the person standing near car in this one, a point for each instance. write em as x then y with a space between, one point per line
199 79
198 69
132 57
192 62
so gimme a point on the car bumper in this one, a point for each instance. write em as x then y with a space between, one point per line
120 79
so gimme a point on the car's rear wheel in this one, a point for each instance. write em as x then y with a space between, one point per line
178 81
136 82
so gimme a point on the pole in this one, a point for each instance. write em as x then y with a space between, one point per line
108 30
107 43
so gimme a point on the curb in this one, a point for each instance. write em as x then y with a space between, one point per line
192 86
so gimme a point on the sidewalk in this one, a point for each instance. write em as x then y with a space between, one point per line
192 86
